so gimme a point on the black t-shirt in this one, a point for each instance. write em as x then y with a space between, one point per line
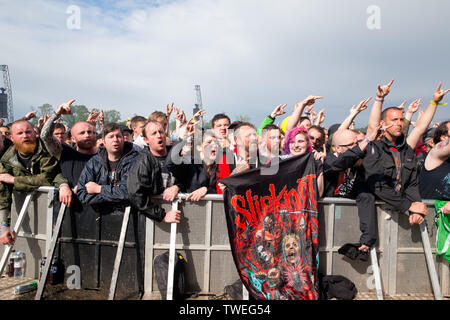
435 184
72 164
25 160
168 178
112 178
6 144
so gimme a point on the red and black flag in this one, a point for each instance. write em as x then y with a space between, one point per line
274 230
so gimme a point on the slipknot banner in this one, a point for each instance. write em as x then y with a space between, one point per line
274 230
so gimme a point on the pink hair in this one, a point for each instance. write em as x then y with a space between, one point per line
291 136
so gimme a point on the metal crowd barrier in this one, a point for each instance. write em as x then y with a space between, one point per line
34 236
202 237
407 263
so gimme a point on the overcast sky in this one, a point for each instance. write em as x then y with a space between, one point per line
247 55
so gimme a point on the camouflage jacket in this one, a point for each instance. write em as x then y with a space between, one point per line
44 171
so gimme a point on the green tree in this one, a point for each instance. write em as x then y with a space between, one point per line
79 113
243 118
41 111
112 116
207 124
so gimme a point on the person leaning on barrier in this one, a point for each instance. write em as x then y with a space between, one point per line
390 164
25 166
71 160
344 177
434 178
155 137
145 178
197 174
104 178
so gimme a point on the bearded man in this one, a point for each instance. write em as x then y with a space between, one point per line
25 166
71 160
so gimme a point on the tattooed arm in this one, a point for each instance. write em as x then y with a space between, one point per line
51 143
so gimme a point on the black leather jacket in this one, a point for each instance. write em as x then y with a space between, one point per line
145 181
380 168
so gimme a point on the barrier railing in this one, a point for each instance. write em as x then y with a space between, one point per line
339 224
36 236
405 266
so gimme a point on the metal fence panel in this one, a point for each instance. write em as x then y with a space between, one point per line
202 238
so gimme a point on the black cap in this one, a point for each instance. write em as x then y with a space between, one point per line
125 128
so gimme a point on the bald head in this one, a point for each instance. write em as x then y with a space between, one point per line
343 140
80 124
84 136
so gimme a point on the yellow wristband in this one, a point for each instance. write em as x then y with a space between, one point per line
438 104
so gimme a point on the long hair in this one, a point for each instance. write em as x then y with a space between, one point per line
291 136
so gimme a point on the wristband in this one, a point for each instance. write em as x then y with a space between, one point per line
379 100
438 104
63 185
367 139
5 223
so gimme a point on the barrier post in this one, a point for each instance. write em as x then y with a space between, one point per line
173 238
430 262
19 221
50 252
123 233
376 272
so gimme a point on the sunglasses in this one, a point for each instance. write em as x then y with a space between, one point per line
348 145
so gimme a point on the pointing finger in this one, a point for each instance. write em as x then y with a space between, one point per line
390 83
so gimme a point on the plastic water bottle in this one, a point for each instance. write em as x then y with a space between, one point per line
56 271
41 267
10 267
19 265
27 287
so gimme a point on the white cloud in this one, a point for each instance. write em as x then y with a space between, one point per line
248 55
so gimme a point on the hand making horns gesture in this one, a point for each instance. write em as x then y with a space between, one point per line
414 106
278 111
383 91
439 94
361 106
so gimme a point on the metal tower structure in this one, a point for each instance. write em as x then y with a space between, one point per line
198 105
7 82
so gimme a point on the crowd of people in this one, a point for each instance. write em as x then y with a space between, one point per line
395 160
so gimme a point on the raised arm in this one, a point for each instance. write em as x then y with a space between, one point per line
298 110
320 118
278 111
375 113
51 143
413 107
425 119
354 111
